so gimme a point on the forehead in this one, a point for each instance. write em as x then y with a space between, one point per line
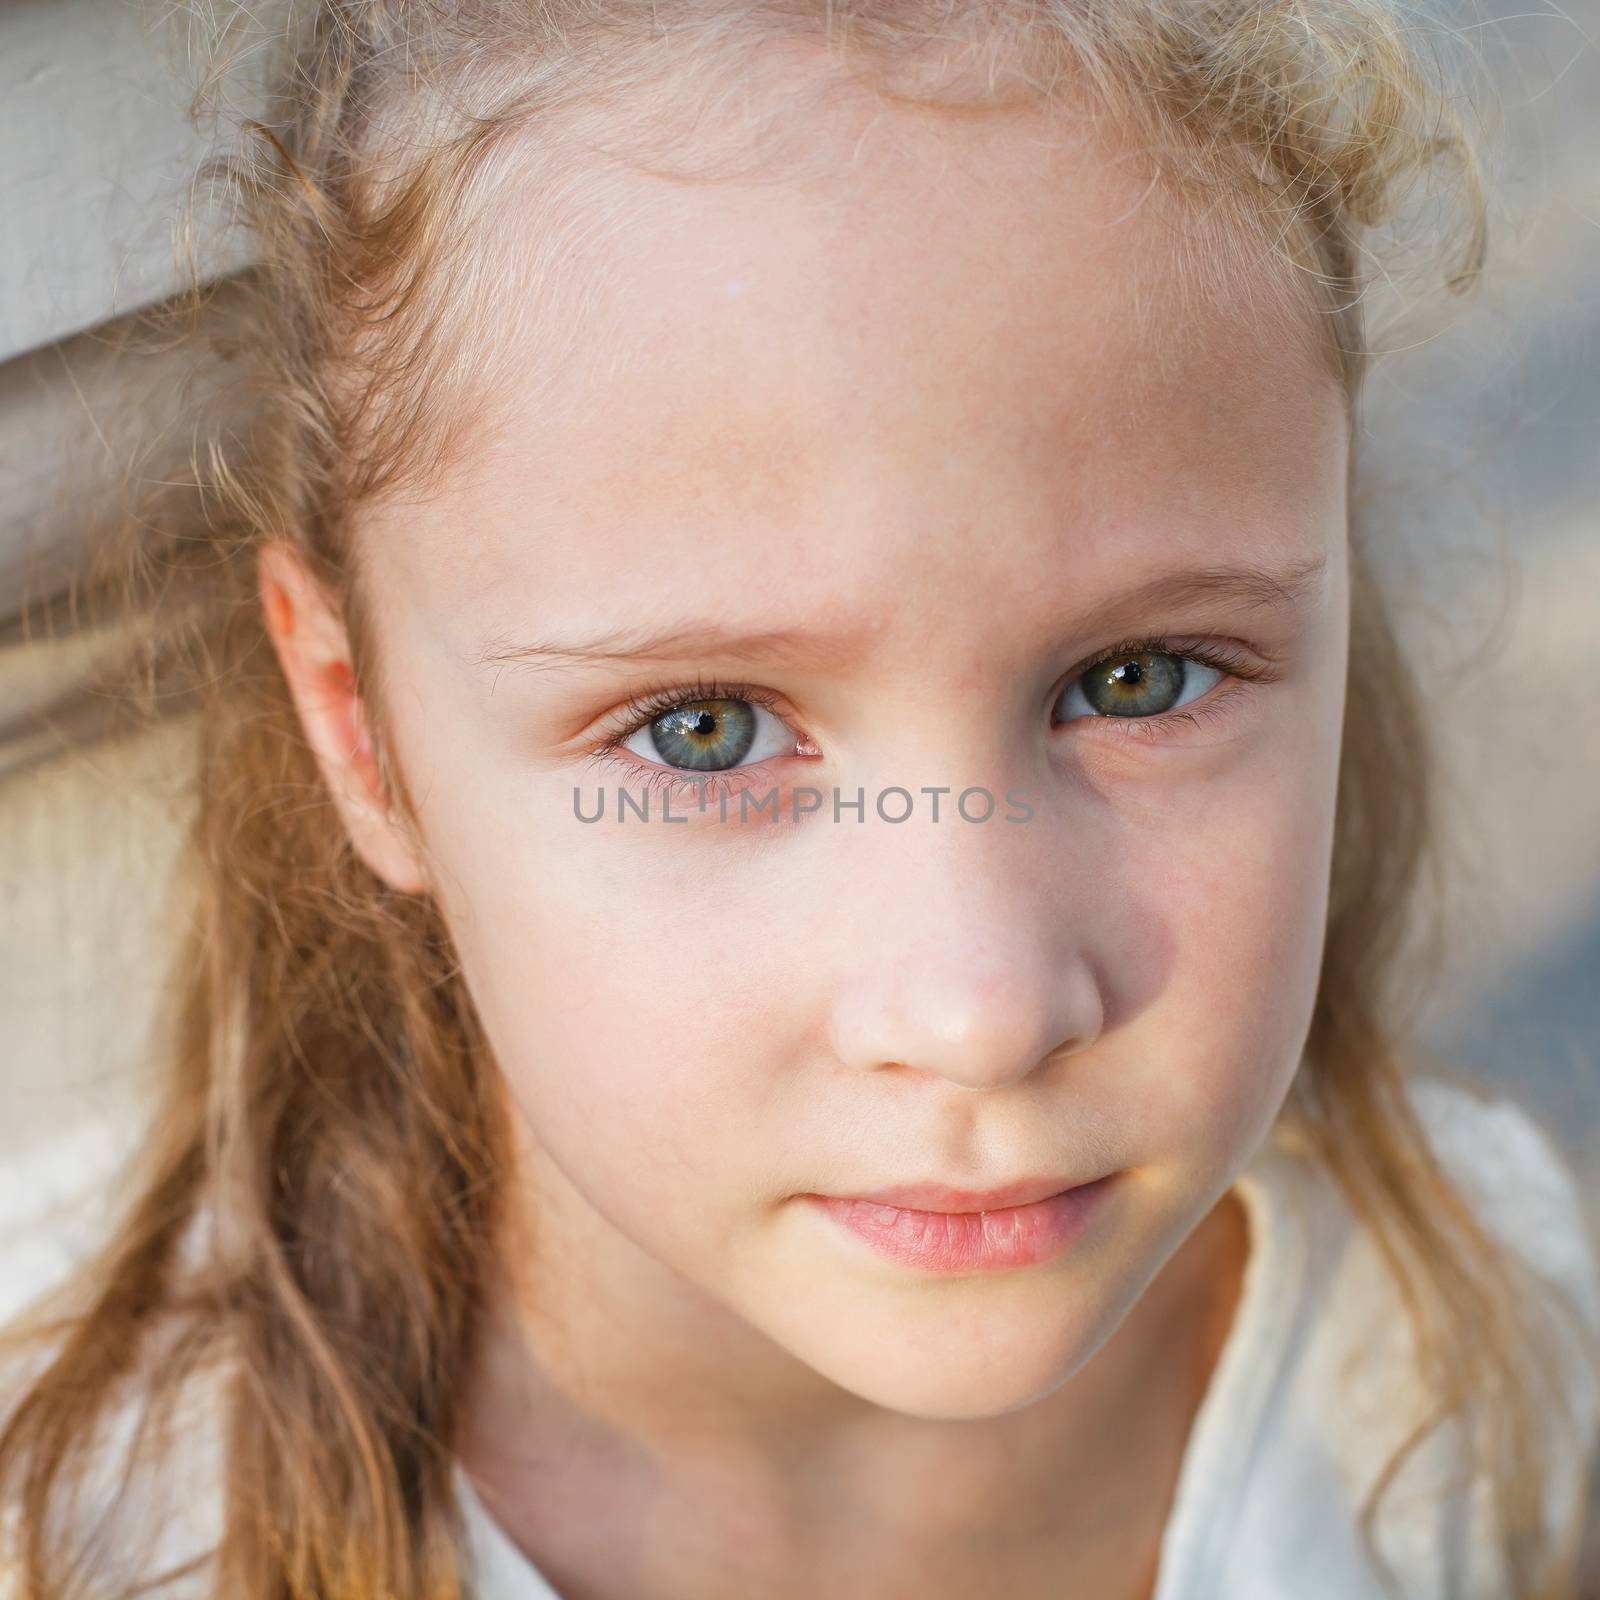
888 321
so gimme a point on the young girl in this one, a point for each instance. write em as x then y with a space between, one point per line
805 814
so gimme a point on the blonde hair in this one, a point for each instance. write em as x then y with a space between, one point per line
331 1105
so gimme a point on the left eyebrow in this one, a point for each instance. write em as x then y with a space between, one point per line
1252 586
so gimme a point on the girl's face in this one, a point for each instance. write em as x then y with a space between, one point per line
877 462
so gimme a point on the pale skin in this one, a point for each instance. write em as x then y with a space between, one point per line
907 413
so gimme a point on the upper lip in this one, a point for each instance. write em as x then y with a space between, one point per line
946 1197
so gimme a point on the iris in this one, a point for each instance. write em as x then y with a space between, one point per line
1141 685
705 735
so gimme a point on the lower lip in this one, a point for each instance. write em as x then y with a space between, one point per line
971 1241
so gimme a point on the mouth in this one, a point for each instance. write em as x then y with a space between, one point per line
949 1200
947 1232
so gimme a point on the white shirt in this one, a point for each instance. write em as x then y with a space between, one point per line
1310 1392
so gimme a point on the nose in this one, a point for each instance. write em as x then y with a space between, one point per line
965 960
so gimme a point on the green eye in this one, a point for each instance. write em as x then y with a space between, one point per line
702 727
1139 683
702 735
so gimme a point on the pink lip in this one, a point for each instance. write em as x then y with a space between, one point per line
991 1237
942 1197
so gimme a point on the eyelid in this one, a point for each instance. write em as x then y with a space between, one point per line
1226 655
709 785
650 701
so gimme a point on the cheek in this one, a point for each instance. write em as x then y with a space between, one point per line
1243 902
623 986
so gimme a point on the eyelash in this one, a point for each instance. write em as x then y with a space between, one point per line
644 706
647 704
1232 663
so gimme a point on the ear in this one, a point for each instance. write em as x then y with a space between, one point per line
308 633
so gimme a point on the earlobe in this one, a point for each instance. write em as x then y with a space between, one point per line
312 645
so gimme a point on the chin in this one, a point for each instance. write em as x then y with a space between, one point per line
966 1355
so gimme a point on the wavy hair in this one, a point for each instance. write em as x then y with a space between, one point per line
318 1197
